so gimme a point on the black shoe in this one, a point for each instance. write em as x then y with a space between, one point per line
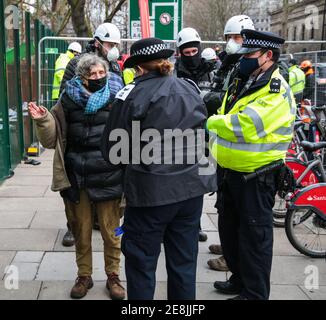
68 239
227 287
239 297
202 236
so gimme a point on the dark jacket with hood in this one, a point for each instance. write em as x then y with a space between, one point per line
160 103
203 75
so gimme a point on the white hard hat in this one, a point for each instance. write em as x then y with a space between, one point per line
75 46
108 32
238 23
187 35
209 54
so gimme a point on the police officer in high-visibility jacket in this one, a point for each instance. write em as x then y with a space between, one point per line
253 130
297 80
74 49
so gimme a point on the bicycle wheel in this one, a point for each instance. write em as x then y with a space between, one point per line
306 231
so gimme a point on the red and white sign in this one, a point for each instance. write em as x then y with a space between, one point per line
165 19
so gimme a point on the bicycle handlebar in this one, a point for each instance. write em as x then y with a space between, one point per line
321 108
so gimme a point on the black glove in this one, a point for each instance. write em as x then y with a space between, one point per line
213 101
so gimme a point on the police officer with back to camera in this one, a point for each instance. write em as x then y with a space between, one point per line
297 80
251 135
164 196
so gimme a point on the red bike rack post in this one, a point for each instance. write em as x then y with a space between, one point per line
144 18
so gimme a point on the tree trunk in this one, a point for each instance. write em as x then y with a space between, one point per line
78 18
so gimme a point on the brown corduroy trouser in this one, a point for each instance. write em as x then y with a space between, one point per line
80 219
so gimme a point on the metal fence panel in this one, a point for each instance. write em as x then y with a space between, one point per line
318 87
18 86
15 126
50 48
4 125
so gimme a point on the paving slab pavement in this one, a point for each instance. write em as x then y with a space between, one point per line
32 224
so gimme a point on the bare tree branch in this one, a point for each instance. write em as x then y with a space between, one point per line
64 23
115 10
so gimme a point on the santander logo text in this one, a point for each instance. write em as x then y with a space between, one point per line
316 198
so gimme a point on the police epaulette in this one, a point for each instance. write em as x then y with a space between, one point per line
275 86
124 93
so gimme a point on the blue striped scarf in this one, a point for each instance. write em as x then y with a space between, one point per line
92 102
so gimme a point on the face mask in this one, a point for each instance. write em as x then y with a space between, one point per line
232 47
193 62
113 54
96 85
249 65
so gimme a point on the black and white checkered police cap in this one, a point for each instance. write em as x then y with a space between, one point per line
256 40
148 49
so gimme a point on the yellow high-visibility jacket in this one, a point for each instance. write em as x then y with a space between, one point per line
128 75
258 128
297 79
60 67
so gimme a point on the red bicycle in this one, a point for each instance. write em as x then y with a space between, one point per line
305 173
305 222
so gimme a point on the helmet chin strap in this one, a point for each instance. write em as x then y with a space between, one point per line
103 49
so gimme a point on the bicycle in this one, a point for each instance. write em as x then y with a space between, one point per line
305 222
310 119
305 173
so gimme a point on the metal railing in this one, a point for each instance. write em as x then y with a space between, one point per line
18 85
49 49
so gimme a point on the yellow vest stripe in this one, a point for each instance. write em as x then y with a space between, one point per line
284 131
257 121
237 129
252 147
288 96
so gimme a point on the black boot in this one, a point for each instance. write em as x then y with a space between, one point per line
202 236
68 239
227 287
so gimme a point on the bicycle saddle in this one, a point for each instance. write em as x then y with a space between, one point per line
312 146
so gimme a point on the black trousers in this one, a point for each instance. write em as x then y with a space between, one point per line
246 229
175 225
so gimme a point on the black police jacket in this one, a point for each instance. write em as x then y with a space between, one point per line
159 102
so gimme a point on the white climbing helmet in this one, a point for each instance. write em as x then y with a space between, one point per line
108 32
187 35
238 23
75 46
209 54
